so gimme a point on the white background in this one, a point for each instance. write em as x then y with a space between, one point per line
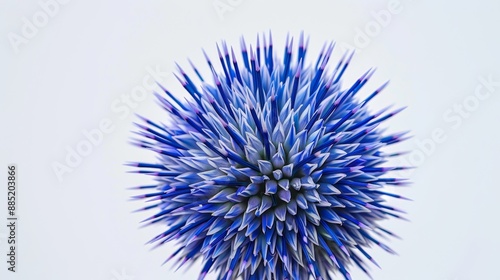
67 76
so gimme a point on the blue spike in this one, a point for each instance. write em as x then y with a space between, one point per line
295 87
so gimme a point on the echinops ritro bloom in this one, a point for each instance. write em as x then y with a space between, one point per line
270 168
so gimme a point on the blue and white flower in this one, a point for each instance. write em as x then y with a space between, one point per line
270 169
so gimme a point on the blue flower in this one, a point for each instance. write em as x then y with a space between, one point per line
270 169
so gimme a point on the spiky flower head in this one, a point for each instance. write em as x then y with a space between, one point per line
270 169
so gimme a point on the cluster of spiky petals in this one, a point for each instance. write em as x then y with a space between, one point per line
270 170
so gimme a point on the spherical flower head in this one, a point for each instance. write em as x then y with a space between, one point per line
270 169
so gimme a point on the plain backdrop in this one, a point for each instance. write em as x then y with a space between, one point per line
73 71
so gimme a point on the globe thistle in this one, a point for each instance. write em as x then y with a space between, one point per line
270 169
